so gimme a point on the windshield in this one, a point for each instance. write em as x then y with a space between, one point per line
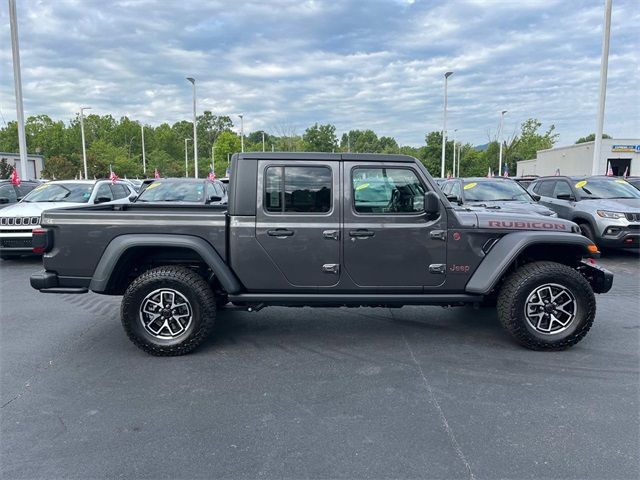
175 191
494 190
60 192
592 188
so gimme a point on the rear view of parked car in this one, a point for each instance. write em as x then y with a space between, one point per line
17 221
184 190
501 194
607 209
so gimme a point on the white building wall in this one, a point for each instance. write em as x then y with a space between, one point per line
35 164
577 159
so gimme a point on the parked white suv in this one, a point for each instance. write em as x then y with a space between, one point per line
18 220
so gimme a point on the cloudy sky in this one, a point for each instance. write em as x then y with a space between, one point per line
356 64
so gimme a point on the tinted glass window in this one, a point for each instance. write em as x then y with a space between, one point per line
119 191
605 188
174 191
60 192
298 189
387 190
446 188
455 191
546 188
25 188
561 188
7 191
104 192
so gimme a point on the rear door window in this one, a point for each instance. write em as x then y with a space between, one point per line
546 188
561 188
304 189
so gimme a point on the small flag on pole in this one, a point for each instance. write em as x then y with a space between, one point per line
557 174
212 175
489 173
506 171
15 178
156 174
112 175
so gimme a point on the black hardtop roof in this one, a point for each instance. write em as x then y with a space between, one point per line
322 156
578 177
481 179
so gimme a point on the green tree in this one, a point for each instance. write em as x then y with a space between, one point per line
227 144
320 138
530 141
590 138
62 168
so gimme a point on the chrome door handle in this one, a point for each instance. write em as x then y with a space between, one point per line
331 268
331 234
280 232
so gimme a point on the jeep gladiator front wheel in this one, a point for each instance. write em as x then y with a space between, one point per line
168 311
546 306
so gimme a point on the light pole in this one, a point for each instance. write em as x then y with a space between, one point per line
500 139
17 80
604 65
241 132
144 155
84 148
263 142
195 128
459 151
213 158
453 139
186 157
444 123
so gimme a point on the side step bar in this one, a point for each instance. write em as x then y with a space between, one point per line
347 299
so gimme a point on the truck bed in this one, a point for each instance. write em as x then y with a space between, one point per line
88 230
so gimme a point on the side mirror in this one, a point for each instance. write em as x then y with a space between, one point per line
132 197
102 200
213 198
4 200
431 203
566 196
535 196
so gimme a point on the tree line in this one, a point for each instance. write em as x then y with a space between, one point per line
117 143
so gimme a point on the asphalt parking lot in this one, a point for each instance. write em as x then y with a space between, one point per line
417 392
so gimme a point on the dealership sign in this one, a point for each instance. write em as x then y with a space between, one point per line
626 148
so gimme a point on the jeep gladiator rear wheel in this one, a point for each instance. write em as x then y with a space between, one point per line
546 306
168 311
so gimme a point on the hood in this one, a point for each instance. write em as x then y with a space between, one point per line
625 205
34 209
509 221
516 206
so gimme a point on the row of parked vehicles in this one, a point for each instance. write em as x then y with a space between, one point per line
607 209
21 206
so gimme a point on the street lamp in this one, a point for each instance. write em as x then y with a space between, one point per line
453 136
241 132
604 66
186 157
262 142
501 141
444 124
213 158
84 148
144 156
195 128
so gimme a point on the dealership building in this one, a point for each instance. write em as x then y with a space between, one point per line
35 163
619 154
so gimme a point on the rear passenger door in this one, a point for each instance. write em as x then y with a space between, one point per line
545 188
298 220
389 241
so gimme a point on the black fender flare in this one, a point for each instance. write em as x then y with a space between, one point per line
122 243
507 249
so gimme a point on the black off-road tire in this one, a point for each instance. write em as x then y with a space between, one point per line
587 231
187 283
520 284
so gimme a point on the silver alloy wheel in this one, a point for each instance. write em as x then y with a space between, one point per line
166 313
550 308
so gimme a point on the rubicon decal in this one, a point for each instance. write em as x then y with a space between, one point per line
523 225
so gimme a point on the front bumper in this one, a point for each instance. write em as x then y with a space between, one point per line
600 279
620 235
16 242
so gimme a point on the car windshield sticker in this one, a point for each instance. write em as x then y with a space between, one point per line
469 186
86 194
621 181
362 186
581 183
153 185
41 187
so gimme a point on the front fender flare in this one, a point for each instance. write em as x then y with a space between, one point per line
119 245
507 249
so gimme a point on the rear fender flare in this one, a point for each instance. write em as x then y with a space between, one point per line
507 249
119 245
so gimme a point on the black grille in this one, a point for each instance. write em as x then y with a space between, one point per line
633 217
16 243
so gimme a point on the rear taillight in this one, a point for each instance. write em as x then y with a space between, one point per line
42 240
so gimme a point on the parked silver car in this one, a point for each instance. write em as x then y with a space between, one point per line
606 208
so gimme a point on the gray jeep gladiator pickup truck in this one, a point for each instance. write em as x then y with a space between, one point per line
324 230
